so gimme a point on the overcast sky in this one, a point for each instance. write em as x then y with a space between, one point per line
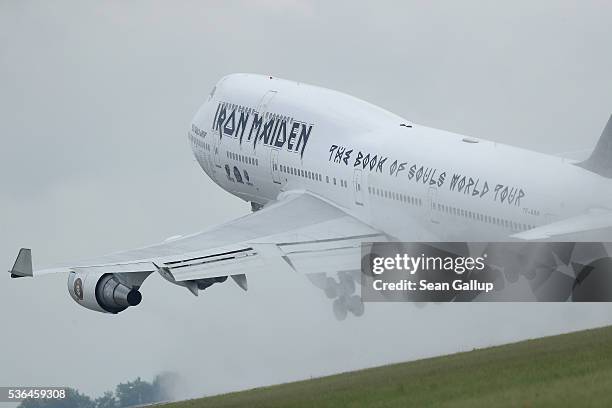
96 98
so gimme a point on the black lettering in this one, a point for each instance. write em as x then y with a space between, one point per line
292 135
274 132
216 113
441 179
461 184
485 189
220 120
358 159
454 181
426 175
230 124
392 168
257 120
339 153
242 122
521 194
381 162
281 136
303 140
504 194
401 167
432 180
266 132
475 191
366 160
512 195
331 151
497 188
411 171
419 173
347 156
373 162
470 184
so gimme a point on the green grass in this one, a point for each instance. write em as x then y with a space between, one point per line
568 370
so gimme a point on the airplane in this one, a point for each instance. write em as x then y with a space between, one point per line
324 172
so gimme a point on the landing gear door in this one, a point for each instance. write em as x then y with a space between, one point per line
274 166
358 186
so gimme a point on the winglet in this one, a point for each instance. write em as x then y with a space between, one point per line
600 161
23 264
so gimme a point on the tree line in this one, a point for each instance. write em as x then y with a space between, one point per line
129 394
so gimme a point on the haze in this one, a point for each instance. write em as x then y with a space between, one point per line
96 101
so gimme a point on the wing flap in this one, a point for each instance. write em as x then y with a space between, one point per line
222 263
326 261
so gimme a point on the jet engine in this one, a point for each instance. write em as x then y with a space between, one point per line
102 292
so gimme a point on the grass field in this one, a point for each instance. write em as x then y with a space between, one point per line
572 370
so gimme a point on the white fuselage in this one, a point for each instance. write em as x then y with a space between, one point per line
259 136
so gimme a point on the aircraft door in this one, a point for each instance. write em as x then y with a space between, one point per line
274 166
262 108
358 186
432 202
209 161
216 149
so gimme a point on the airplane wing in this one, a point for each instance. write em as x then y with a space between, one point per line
299 230
591 221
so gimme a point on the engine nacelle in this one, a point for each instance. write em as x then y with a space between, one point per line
102 292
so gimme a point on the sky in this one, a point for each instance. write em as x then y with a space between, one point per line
96 99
